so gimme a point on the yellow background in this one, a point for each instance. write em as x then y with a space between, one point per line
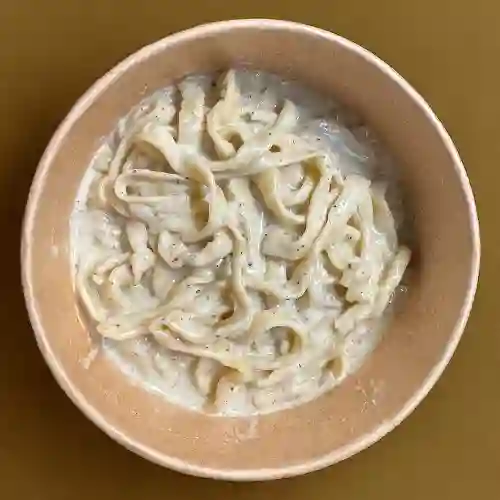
51 51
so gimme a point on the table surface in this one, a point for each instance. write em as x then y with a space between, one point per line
51 51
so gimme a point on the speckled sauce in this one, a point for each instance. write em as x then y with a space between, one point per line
331 128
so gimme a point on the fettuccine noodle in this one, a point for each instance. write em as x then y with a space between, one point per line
225 244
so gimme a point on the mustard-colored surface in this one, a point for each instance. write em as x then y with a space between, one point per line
51 51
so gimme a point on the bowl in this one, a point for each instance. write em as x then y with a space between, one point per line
420 339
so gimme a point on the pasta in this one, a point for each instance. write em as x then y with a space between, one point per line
223 248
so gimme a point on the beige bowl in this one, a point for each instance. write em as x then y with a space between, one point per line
421 338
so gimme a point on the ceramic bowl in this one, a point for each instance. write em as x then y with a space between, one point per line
421 338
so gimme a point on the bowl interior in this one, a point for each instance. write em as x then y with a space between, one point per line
420 339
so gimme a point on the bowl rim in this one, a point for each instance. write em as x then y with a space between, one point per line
84 102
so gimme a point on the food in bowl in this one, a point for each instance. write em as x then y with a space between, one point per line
233 245
423 331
